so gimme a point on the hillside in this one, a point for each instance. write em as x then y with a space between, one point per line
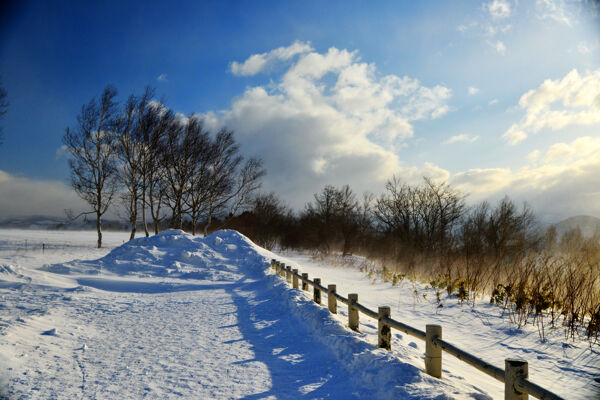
588 225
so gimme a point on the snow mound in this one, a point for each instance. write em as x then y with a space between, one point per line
176 254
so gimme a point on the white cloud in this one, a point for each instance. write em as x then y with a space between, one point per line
257 63
514 135
583 48
499 47
23 197
162 78
330 118
473 90
462 138
561 182
556 104
498 9
492 102
556 10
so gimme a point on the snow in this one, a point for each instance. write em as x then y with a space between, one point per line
174 316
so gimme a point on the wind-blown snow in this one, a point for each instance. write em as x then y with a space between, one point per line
175 315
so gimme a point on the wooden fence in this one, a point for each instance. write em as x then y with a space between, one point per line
515 374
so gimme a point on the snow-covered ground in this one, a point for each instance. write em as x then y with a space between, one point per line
175 316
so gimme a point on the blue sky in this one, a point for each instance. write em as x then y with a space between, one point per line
358 91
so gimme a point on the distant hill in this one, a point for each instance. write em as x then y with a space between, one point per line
55 223
588 225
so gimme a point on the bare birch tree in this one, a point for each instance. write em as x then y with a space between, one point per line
228 184
179 159
132 130
93 163
154 176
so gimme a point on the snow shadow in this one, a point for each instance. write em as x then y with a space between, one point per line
130 286
300 367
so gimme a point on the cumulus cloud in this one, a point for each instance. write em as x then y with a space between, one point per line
462 138
562 181
556 104
473 90
498 9
330 118
23 197
257 63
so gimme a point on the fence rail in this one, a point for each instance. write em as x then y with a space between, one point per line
514 375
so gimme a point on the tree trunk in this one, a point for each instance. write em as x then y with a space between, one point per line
144 211
99 228
133 218
208 222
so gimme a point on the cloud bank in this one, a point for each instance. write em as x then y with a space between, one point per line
562 181
24 197
329 118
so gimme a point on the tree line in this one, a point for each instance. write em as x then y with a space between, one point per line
163 168
426 232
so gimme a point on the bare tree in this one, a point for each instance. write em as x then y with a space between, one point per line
131 139
179 158
228 185
91 145
154 180
196 196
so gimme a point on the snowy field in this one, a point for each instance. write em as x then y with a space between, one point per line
173 316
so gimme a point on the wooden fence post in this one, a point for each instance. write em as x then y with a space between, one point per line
295 278
385 332
282 270
331 300
288 274
514 370
352 312
317 291
273 261
433 353
304 284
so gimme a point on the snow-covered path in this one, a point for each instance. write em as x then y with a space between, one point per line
168 338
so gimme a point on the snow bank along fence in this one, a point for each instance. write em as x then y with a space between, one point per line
515 372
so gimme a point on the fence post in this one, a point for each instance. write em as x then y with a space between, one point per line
331 300
288 274
304 284
295 278
433 353
282 270
316 290
352 312
273 261
385 333
514 370
278 268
